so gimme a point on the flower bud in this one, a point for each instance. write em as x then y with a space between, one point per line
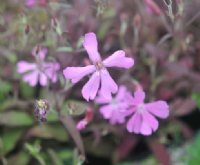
41 109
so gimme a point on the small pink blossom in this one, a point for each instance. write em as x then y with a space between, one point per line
114 109
81 124
86 120
143 120
41 72
100 75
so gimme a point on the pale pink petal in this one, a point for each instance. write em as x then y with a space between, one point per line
77 73
121 93
100 99
90 89
139 97
117 117
42 52
24 66
118 59
106 111
145 128
91 46
81 125
134 123
51 69
108 85
158 108
43 79
31 78
151 120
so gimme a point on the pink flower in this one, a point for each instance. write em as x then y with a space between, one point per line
81 124
86 120
143 120
115 109
40 72
100 75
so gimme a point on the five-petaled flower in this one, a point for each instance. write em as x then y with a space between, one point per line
143 120
40 71
115 109
100 76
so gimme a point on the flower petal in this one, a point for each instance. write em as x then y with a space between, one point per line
145 128
51 69
158 108
100 99
118 59
151 120
117 117
122 93
90 89
108 85
24 66
43 79
106 111
77 73
32 78
91 46
139 97
134 123
39 52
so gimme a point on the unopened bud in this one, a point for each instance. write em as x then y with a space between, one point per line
41 109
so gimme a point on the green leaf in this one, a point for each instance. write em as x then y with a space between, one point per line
192 153
9 140
5 88
196 98
26 90
13 118
75 108
54 157
55 131
21 158
65 49
34 150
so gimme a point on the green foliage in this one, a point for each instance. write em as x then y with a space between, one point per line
192 154
9 140
13 119
46 131
65 49
34 150
26 90
21 158
196 98
5 88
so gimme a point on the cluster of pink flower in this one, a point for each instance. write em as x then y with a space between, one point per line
124 104
41 71
116 109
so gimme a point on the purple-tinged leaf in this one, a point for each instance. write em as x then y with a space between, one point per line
160 152
70 126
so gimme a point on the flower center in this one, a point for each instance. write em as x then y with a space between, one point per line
99 65
140 108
